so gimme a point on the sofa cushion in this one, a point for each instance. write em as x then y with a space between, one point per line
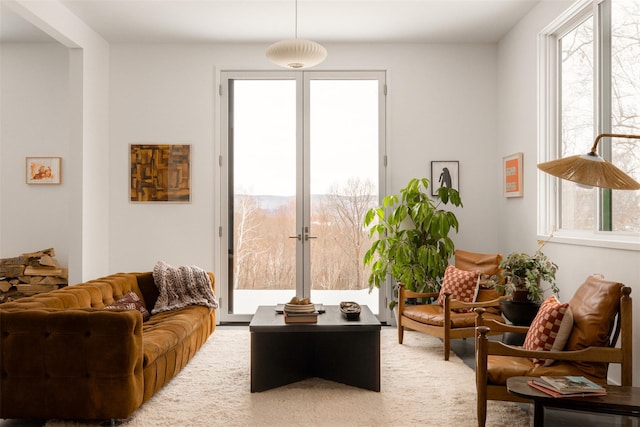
165 330
131 301
462 284
550 328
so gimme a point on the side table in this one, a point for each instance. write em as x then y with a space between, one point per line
618 401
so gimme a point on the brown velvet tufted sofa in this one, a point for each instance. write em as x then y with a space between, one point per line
63 356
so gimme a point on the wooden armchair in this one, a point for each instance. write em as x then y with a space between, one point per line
453 319
602 313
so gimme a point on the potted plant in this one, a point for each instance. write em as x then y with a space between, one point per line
523 274
411 238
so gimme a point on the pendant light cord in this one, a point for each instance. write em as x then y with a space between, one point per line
296 19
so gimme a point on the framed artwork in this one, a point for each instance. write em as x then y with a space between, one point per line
512 175
444 174
44 170
160 173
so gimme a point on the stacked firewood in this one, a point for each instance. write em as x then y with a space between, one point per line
29 274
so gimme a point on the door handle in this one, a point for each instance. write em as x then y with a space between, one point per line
306 234
299 237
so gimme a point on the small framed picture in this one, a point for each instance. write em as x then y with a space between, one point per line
512 175
44 170
444 174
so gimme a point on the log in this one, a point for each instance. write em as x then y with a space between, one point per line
13 261
48 261
53 280
5 286
35 289
41 253
12 270
42 271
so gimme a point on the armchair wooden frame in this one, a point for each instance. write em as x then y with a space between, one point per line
622 355
444 332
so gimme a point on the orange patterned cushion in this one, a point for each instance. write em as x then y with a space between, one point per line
462 284
550 329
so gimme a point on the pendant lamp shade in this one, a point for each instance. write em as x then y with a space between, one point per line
296 53
591 169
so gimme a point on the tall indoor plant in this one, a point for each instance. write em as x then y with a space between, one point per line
411 237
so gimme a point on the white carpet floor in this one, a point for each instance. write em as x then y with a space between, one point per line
418 388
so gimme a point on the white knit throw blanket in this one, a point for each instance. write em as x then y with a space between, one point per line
182 286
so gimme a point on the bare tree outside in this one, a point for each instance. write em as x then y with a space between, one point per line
336 254
580 205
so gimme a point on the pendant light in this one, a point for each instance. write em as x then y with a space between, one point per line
296 53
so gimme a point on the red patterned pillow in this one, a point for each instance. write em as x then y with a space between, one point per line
462 284
550 328
130 301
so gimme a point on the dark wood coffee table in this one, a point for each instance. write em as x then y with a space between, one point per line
345 351
619 400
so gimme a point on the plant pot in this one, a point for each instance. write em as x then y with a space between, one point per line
519 313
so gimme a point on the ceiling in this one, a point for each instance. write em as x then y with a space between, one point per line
265 21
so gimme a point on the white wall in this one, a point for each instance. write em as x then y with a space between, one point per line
87 144
35 122
441 106
517 92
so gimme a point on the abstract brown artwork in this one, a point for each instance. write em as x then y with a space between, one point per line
160 173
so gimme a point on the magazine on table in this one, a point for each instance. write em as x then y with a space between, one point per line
567 385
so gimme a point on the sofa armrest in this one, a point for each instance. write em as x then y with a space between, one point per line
74 363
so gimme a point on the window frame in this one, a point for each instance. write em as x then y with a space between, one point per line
549 131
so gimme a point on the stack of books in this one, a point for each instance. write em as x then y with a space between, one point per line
300 313
567 386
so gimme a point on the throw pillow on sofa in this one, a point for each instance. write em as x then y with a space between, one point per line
130 301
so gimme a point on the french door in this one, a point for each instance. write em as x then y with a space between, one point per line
302 162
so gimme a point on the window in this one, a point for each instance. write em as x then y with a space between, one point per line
590 64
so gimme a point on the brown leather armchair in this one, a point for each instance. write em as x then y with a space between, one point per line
454 319
602 313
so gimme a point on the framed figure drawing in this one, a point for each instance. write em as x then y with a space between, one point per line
512 175
44 170
444 174
160 173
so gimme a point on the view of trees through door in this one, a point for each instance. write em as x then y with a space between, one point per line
304 165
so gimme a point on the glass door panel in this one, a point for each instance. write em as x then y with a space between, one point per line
262 186
343 174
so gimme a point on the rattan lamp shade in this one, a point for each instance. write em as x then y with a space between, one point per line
591 169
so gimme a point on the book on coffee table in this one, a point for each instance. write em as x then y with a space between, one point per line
300 317
567 386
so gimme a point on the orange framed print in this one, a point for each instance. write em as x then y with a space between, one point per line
44 170
512 175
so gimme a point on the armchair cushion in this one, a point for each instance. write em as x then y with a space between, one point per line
499 368
550 328
433 314
463 285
